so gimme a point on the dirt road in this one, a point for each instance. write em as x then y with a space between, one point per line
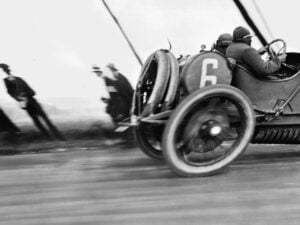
112 185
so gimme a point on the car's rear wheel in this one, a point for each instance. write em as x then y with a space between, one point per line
148 137
208 130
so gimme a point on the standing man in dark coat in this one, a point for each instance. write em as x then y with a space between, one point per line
24 95
240 49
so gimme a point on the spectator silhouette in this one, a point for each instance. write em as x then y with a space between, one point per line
120 92
24 95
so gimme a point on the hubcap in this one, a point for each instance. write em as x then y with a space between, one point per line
215 130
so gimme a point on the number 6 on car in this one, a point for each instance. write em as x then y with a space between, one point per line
204 76
204 70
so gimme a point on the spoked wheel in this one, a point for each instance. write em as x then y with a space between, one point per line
208 130
148 136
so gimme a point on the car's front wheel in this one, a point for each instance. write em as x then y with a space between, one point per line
208 130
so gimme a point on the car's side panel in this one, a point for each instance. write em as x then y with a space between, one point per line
268 95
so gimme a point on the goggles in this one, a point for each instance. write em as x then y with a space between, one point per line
248 36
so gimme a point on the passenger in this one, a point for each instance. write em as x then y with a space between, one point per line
240 49
224 40
24 95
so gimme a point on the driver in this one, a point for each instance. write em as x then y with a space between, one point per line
240 49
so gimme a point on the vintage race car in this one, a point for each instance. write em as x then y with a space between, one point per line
200 114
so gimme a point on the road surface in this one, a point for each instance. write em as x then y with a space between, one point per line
115 185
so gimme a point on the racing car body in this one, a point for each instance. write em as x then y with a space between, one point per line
202 118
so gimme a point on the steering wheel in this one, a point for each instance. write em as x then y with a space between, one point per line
273 54
270 50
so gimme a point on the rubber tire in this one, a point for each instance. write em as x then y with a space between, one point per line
179 166
173 85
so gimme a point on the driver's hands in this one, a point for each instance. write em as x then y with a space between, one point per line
282 57
262 50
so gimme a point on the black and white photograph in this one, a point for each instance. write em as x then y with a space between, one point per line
147 112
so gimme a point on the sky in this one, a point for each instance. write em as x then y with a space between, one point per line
52 44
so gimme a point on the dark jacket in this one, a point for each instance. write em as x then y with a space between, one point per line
18 88
121 93
251 59
121 87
